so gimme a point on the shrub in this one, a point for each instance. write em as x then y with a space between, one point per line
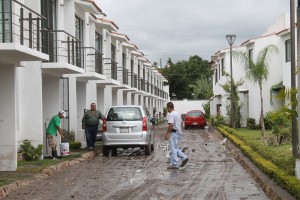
75 145
29 152
281 126
268 120
206 108
217 120
251 123
69 136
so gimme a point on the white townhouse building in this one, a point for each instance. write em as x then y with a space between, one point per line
65 54
279 71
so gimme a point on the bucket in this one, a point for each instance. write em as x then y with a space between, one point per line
64 149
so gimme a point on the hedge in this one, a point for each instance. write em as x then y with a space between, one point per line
290 183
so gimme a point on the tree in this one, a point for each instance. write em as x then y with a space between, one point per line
185 75
236 107
257 72
202 89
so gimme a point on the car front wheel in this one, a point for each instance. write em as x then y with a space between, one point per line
148 149
105 151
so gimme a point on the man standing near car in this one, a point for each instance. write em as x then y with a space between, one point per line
90 123
174 134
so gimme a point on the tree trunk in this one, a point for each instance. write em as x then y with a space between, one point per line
262 123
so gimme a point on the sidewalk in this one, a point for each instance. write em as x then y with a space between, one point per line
26 178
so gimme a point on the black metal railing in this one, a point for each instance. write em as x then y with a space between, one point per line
113 68
19 24
125 73
93 60
63 47
148 87
135 80
142 82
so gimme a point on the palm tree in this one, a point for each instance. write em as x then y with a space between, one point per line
257 72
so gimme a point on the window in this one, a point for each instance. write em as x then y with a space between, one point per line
113 52
5 21
78 28
98 42
216 76
124 114
131 69
49 45
124 60
250 54
219 71
223 66
288 48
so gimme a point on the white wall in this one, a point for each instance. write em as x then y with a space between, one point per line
8 138
183 106
29 103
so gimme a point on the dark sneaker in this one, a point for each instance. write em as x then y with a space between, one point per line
172 167
183 163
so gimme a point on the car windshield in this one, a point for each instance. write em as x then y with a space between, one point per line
124 114
195 114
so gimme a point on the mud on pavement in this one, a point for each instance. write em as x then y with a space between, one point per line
211 173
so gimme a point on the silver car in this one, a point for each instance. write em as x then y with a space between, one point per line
126 127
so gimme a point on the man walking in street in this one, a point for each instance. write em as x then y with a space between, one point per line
174 134
90 123
51 132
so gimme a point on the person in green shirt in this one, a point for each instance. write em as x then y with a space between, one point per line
90 123
51 132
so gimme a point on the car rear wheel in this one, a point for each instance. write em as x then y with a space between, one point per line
114 152
152 147
148 149
105 151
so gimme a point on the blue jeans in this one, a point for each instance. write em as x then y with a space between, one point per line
175 152
91 134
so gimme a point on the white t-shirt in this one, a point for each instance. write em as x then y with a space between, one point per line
175 119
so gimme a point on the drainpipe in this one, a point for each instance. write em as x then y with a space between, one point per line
297 170
293 78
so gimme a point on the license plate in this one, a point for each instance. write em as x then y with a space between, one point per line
195 123
124 130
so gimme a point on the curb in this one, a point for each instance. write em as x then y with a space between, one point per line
49 171
271 188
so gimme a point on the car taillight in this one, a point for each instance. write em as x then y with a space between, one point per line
144 124
104 129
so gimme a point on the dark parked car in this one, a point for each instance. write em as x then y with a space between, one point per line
194 118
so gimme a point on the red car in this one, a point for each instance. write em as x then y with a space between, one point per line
194 118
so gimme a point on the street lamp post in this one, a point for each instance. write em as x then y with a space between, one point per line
230 39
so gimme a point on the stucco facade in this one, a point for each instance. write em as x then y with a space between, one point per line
279 71
70 57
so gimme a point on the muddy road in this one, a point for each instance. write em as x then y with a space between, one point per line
211 173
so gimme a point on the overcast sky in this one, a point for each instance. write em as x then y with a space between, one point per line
181 28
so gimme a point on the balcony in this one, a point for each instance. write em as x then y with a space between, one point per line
66 56
112 70
134 80
20 35
125 73
92 63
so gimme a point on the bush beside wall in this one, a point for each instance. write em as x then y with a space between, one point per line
290 183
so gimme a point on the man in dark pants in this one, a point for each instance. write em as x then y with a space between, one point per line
90 123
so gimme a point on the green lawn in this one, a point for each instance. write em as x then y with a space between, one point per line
279 155
27 169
